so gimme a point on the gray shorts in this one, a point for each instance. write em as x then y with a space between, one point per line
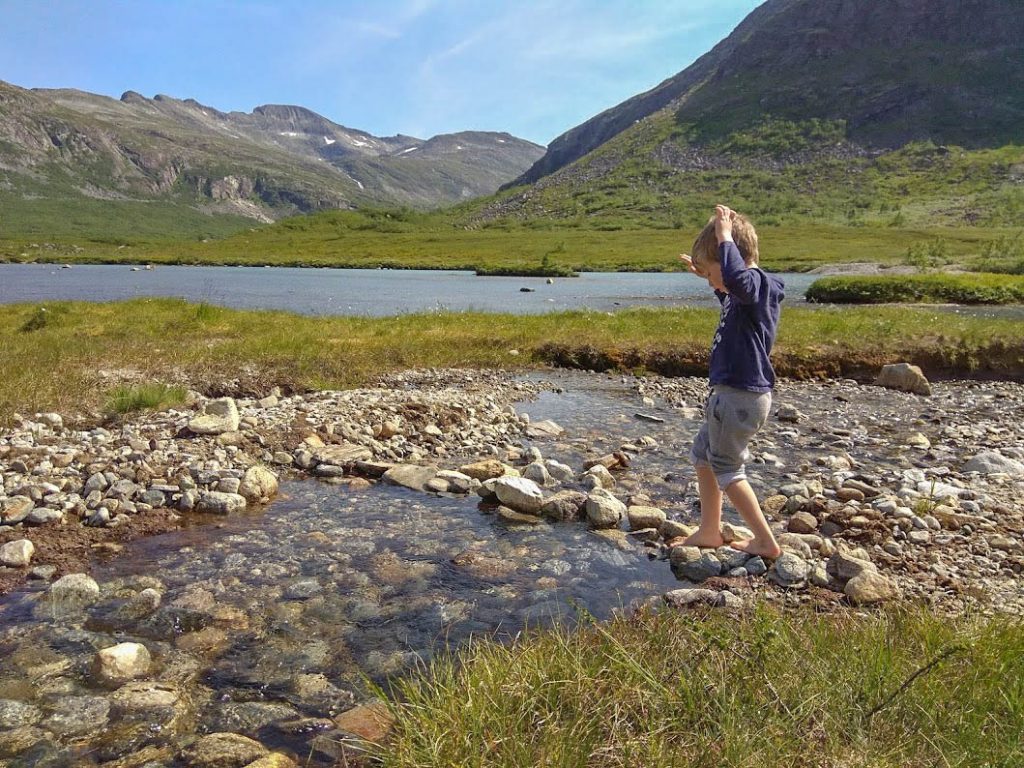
731 418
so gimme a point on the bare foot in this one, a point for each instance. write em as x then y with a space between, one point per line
705 539
767 549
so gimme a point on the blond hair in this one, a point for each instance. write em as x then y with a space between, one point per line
705 247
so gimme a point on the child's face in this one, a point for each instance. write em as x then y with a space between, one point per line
712 272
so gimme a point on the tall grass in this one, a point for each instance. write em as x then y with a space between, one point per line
890 690
130 398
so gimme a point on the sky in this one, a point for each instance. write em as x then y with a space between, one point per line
534 68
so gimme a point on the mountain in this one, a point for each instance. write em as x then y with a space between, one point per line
894 71
278 160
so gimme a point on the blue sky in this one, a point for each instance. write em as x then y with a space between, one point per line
534 68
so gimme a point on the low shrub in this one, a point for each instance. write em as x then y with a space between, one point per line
919 289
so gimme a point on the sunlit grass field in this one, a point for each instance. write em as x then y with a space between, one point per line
54 354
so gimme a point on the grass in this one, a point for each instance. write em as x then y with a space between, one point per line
919 289
58 365
901 689
153 396
346 239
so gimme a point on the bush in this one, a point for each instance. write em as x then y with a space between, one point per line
928 254
921 289
142 397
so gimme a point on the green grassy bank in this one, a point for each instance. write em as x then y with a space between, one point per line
403 239
921 289
890 690
70 356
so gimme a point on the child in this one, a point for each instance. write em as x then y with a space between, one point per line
741 377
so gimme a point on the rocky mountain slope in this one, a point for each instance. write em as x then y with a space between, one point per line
893 71
274 161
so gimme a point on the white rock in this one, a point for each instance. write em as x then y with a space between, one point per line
17 554
218 416
519 493
217 503
259 485
120 663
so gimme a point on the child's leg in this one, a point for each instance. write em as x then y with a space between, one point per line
709 534
743 498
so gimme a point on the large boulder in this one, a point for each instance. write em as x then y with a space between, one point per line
993 462
520 494
218 416
904 377
259 485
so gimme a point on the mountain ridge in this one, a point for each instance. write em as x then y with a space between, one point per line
277 160
895 71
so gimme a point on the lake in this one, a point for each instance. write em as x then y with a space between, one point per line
363 291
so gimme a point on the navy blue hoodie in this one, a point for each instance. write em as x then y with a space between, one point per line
750 316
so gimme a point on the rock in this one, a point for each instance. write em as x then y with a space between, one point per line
15 509
603 509
44 515
223 750
538 473
644 517
76 590
773 505
819 577
120 663
604 477
731 533
217 503
691 596
16 714
218 416
704 566
457 482
17 554
560 472
789 413
43 572
412 476
543 429
274 760
843 566
484 470
370 722
565 506
756 566
868 490
259 485
342 455
849 494
803 522
75 715
790 570
993 462
869 587
918 440
1004 543
520 494
673 529
904 377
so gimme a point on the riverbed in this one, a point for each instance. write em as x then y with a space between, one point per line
270 622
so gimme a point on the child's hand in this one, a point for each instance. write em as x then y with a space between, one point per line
723 223
688 261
